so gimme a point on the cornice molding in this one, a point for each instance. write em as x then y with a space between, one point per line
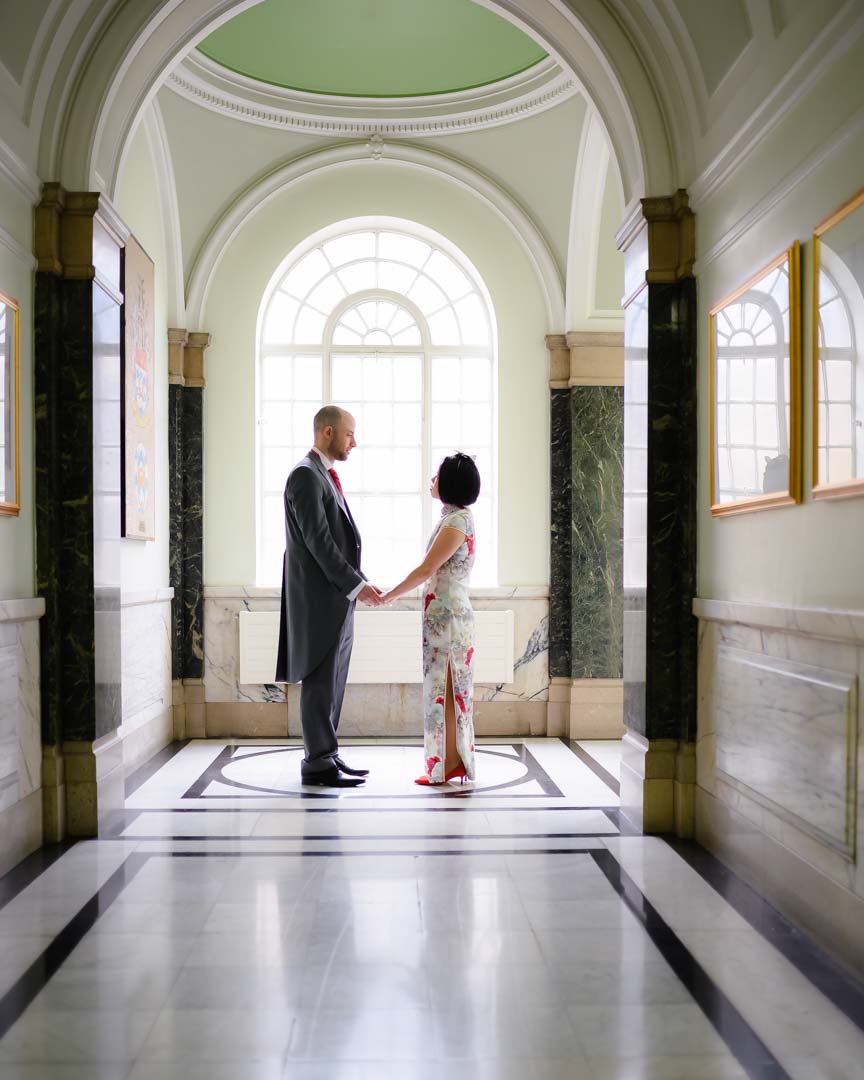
23 179
840 34
852 129
214 87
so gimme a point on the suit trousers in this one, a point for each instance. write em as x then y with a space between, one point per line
321 695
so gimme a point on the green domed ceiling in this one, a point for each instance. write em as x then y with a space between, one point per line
372 48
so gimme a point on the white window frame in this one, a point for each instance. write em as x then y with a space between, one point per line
326 349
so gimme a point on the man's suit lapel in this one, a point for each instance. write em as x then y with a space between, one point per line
328 479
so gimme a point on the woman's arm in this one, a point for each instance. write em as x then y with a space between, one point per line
447 543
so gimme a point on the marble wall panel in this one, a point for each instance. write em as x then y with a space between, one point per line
20 730
146 649
8 715
785 734
377 709
561 533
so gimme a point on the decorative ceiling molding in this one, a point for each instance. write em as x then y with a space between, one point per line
402 155
207 83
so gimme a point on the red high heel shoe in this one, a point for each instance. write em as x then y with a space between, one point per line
457 774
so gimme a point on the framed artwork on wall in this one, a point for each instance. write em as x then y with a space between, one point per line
838 352
755 395
138 412
10 407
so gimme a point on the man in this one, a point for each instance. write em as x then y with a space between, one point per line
321 580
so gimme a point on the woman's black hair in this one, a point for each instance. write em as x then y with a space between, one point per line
458 480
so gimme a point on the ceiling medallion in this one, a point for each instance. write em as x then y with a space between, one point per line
207 83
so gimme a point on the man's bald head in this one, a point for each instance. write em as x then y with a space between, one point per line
334 432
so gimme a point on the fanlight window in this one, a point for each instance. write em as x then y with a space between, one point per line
838 423
398 331
752 335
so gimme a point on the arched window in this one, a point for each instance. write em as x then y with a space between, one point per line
392 322
839 439
752 390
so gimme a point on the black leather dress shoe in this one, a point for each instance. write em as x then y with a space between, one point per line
340 764
329 778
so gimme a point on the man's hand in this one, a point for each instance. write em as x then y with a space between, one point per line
370 595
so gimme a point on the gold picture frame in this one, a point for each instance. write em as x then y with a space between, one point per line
755 390
838 363
10 406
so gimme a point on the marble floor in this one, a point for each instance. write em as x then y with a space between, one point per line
232 925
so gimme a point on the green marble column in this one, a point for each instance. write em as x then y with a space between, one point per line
596 422
77 421
660 462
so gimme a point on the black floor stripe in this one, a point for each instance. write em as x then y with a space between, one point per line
33 866
753 1055
151 767
36 977
841 988
594 765
348 838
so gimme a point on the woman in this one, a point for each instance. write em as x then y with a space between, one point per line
448 625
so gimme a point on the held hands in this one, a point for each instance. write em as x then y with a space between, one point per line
371 595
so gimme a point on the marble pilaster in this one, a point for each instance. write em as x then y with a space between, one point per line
561 534
659 515
186 469
77 418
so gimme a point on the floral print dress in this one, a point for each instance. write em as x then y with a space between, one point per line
448 638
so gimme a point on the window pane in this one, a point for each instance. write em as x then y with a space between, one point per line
347 378
277 464
377 468
838 374
407 378
446 425
766 425
377 378
744 470
402 319
445 378
476 384
407 424
766 379
343 336
410 336
840 465
741 424
840 423
276 378
310 327
446 273
272 556
305 275
279 320
368 312
444 329
327 295
472 320
379 419
740 379
353 321
273 519
307 379
358 276
276 424
476 424
402 248
395 276
405 468
343 249
377 337
303 416
426 295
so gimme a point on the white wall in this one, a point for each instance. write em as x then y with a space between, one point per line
810 555
146 609
369 188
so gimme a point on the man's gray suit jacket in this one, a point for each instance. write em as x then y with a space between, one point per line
321 568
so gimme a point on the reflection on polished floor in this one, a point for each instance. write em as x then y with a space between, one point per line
235 926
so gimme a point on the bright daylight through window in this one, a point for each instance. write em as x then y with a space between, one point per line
395 326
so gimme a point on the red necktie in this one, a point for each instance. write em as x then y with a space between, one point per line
335 477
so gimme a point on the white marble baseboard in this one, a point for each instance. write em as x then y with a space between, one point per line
779 711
